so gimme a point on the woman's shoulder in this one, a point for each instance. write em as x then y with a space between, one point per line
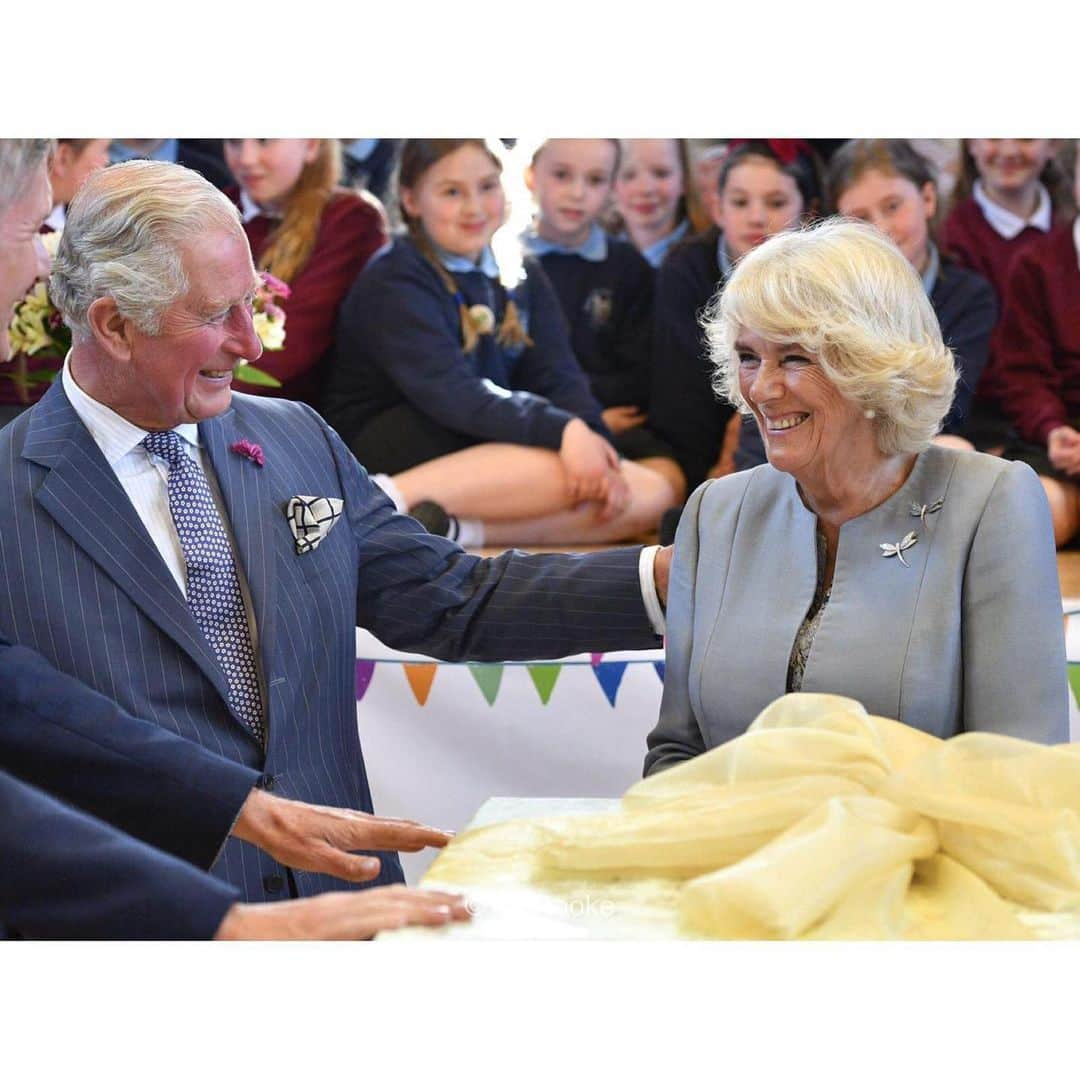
973 478
729 491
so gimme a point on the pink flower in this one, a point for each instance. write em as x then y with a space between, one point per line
275 286
249 450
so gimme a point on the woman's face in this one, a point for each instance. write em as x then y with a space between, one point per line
649 184
809 428
896 206
571 182
757 201
268 169
1010 166
459 201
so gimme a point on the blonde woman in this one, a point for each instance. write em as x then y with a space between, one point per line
312 234
861 560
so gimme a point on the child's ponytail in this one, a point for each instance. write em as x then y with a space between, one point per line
417 156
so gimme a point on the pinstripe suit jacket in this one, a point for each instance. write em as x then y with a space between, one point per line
82 583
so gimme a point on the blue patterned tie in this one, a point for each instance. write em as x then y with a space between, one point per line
214 595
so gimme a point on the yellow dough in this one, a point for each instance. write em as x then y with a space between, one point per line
821 821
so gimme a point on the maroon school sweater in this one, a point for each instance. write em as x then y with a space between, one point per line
972 241
1038 341
352 229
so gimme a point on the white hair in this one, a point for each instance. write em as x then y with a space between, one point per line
846 294
125 236
20 161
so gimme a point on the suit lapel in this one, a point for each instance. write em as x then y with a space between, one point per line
245 488
83 496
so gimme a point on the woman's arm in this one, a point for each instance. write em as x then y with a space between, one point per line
1012 630
677 736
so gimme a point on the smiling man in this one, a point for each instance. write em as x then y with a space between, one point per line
153 554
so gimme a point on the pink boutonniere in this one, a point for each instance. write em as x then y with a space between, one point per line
249 450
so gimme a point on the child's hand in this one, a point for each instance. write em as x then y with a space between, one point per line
620 418
588 461
1063 447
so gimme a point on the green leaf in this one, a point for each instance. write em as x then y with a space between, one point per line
250 374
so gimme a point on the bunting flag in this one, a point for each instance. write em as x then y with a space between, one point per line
596 657
609 676
420 677
364 671
661 667
488 677
544 677
1074 681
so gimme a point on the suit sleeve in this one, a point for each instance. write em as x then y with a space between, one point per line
401 321
1013 637
70 876
60 735
549 368
422 593
677 736
1032 384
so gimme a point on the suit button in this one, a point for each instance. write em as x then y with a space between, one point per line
273 883
266 782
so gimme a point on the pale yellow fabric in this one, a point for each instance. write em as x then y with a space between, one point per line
820 822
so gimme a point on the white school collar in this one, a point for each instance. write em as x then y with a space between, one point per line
1007 224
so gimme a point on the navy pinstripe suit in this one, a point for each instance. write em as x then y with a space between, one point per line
82 583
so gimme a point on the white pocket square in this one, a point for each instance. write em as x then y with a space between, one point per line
311 517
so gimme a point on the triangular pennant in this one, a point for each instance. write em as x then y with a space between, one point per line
488 677
544 677
596 657
365 669
420 677
660 666
609 676
1074 681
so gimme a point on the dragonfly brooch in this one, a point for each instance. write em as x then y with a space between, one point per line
898 549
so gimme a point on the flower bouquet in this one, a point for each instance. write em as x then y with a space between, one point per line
268 318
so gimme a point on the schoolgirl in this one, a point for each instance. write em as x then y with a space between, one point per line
312 234
764 186
604 286
656 204
453 374
1038 349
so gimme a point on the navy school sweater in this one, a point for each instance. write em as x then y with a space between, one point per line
399 340
608 305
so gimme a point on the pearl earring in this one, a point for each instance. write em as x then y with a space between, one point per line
869 414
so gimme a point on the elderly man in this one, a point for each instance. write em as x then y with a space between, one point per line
75 876
204 557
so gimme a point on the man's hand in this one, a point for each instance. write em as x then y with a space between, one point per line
340 916
590 463
319 838
620 418
662 571
1063 449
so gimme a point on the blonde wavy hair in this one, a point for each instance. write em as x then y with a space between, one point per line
846 294
125 235
291 243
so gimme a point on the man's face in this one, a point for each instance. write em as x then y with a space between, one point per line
183 374
23 258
